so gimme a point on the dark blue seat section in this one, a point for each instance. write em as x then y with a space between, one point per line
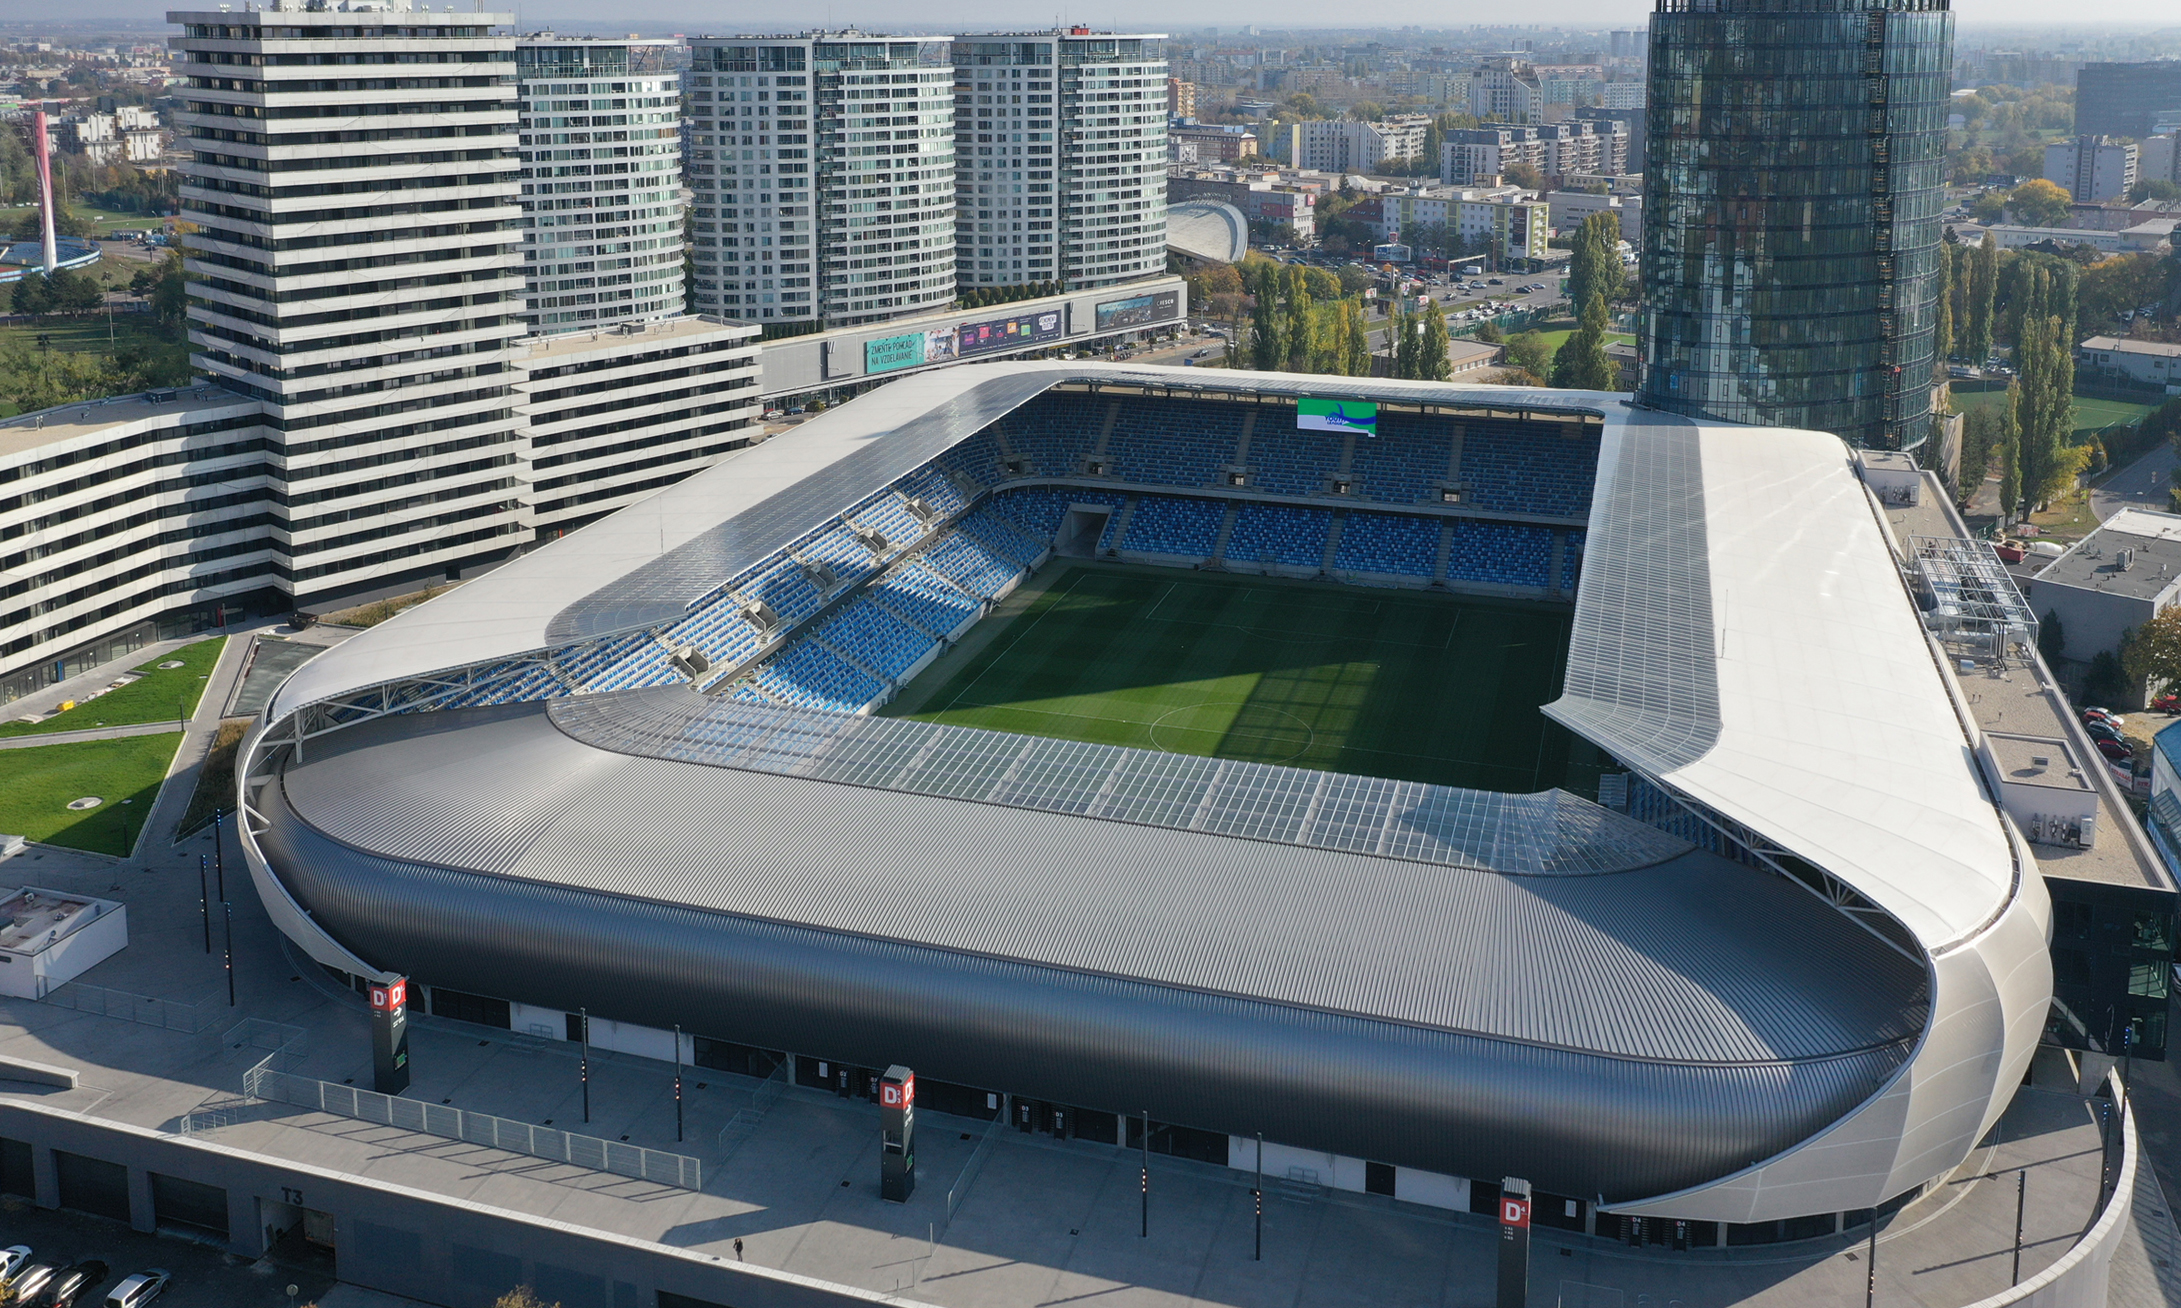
1164 524
934 488
1504 554
978 458
1402 463
1529 468
1039 511
1172 443
1389 543
1055 430
1288 461
1279 534
1571 564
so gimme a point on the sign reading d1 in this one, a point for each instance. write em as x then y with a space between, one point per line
1337 415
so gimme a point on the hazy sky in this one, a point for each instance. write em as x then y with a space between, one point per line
698 16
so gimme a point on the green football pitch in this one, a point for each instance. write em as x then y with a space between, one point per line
1373 682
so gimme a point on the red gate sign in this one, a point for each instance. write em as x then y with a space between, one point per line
391 996
1514 1212
897 1094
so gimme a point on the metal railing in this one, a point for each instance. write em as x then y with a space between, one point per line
267 1083
167 1014
750 1116
968 1175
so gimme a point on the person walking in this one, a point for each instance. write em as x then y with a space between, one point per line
738 1248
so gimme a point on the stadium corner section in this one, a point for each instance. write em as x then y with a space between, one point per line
1780 694
1792 703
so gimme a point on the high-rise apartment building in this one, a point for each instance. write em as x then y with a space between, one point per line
1792 191
354 187
1345 146
1506 90
1061 172
823 168
2092 168
2125 99
600 136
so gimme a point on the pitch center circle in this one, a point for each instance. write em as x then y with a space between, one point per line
1216 717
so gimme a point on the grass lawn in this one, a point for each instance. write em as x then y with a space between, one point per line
2091 415
97 333
1347 679
12 218
1553 339
159 695
37 784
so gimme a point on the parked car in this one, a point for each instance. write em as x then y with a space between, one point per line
2114 750
139 1288
13 1259
76 1282
2094 711
1499 281
30 1283
2170 702
2100 729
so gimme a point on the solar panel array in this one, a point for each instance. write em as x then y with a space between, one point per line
1547 834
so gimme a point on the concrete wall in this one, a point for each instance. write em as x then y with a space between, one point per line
455 1253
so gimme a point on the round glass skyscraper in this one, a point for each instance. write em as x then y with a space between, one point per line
1792 194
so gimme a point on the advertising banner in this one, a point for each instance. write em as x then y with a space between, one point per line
1337 415
910 350
1139 311
1009 333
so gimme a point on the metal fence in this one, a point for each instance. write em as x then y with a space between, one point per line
168 1014
960 1189
750 1116
268 1083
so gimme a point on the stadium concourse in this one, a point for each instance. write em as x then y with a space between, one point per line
638 774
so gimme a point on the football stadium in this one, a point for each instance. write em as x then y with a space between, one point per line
1468 782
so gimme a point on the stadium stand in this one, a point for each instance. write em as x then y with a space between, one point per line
1186 528
1499 553
973 545
1174 444
1285 461
1275 533
1513 466
1389 543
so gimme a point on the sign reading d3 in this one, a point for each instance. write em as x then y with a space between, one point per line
1337 415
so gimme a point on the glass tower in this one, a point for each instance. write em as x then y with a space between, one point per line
1792 193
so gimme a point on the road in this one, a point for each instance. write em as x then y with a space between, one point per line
2140 485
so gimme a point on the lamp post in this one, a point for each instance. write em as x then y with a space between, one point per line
583 1021
1258 1193
1146 1177
677 1083
204 905
2021 1194
229 911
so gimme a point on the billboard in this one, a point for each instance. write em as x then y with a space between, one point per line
1337 415
1014 333
1138 311
909 350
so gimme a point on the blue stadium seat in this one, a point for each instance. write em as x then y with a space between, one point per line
1055 430
1389 543
807 675
1528 469
1287 461
888 514
1401 463
1174 443
925 600
1171 525
1505 554
874 638
1279 534
933 487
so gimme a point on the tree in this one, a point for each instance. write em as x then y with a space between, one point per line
1431 361
2010 459
1354 280
2039 203
1981 436
1488 333
522 1296
1581 362
1942 337
33 294
2153 188
1527 351
1356 355
1988 208
2152 653
74 292
1594 263
1524 175
2052 637
1983 287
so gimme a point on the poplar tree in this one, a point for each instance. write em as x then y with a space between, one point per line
1983 287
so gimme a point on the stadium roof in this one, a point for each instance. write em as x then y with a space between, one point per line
1207 229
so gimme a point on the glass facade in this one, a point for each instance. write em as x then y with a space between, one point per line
1792 192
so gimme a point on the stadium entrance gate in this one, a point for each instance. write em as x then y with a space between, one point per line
1080 530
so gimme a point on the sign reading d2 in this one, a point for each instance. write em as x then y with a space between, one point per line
901 1095
391 997
1514 1212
